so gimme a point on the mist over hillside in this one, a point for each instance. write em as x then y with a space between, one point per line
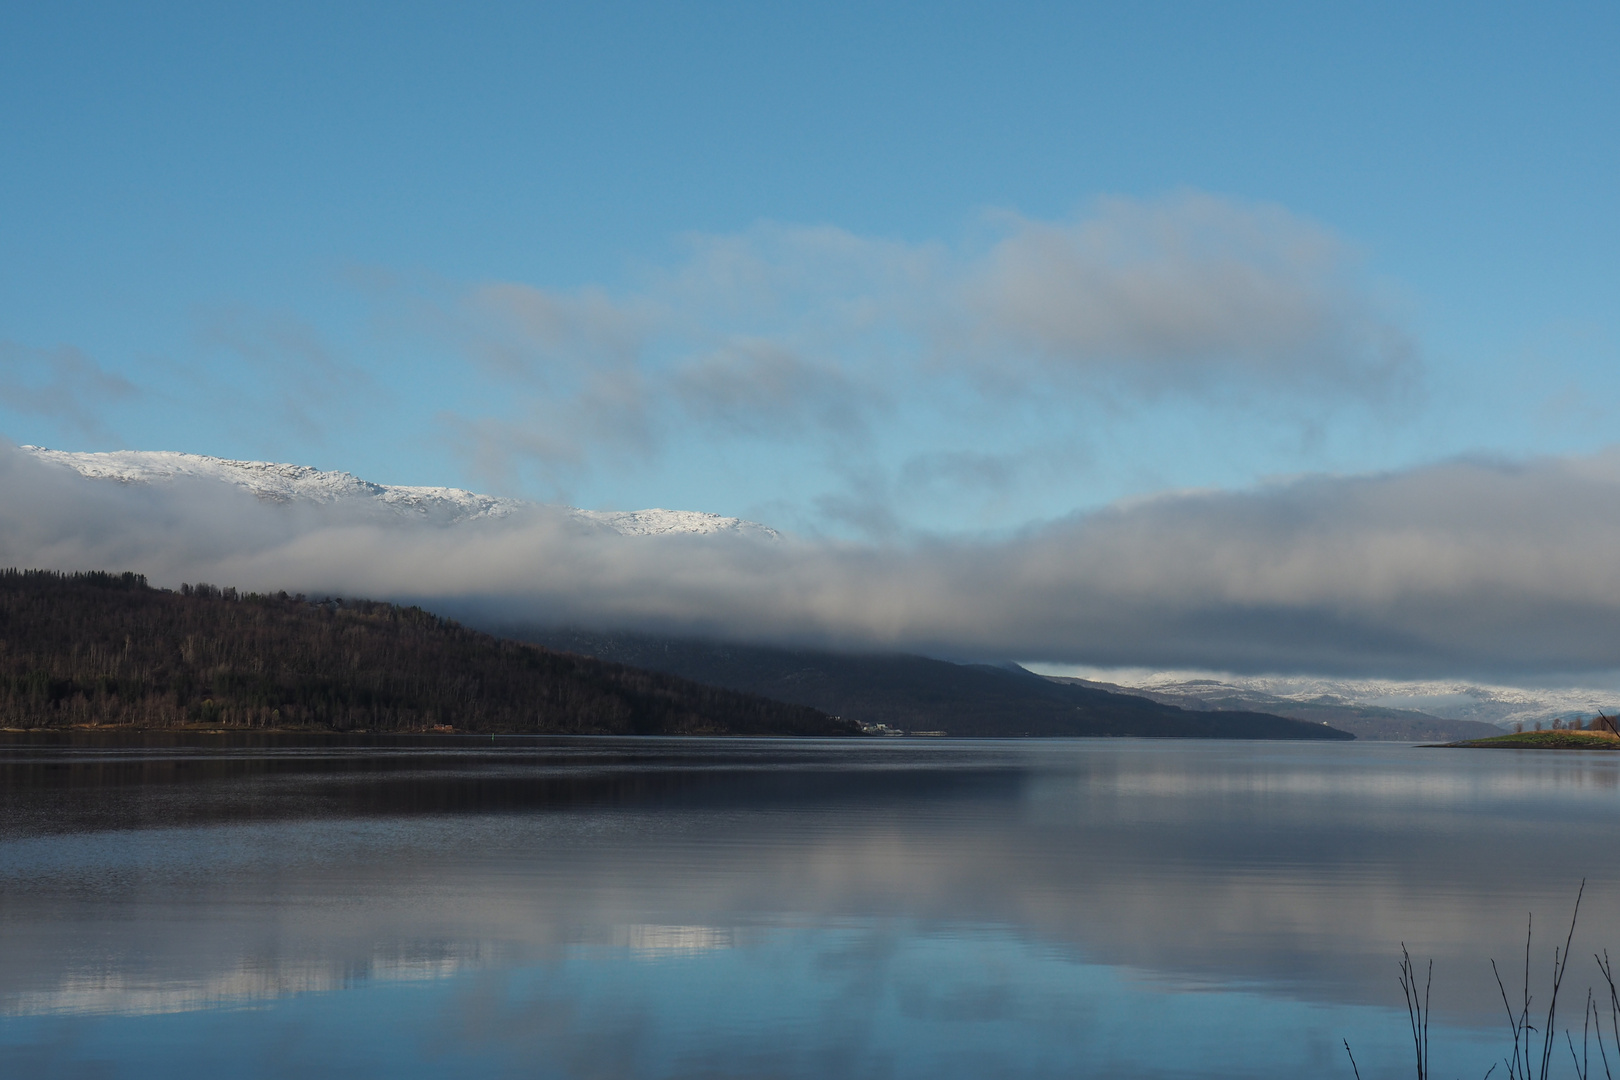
1292 577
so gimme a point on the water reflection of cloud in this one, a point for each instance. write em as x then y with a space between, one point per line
255 980
891 999
645 940
1412 787
1291 869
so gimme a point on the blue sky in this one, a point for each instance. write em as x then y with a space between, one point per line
853 271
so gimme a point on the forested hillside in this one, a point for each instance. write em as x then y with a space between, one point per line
107 649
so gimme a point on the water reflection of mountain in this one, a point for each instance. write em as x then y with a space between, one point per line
76 782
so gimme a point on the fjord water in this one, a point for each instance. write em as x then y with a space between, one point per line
731 908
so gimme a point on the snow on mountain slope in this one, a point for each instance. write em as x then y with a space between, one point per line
656 522
1502 706
290 484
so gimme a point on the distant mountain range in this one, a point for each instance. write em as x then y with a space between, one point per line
1407 705
283 483
1363 721
917 694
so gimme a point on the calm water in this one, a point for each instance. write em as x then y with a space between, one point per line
665 908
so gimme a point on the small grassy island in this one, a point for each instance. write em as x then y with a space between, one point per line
1545 740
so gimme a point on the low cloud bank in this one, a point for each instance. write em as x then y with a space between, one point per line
1463 568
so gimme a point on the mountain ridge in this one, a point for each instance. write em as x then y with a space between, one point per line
917 693
1445 701
1362 721
284 483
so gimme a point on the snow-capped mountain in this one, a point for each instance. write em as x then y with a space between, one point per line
290 484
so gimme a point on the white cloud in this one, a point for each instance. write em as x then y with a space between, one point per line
1166 292
63 383
802 337
757 386
536 334
309 382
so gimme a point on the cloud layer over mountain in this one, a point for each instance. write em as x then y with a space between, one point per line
1466 567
